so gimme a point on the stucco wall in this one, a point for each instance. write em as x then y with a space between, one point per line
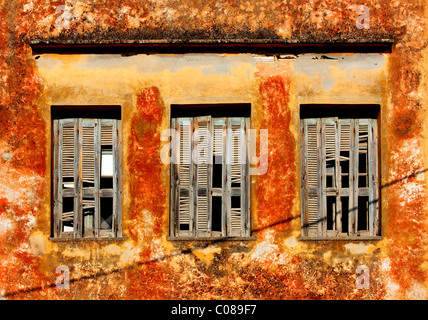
145 264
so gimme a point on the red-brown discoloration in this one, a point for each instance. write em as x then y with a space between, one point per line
275 189
145 163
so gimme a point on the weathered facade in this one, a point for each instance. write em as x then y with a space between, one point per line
149 56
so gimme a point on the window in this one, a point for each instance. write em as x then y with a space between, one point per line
339 176
86 184
209 178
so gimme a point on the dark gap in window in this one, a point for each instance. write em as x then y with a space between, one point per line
90 112
184 227
363 211
236 202
213 110
345 213
106 216
362 162
106 183
68 183
362 181
345 111
344 169
362 168
68 207
217 172
86 184
331 211
216 220
330 173
236 184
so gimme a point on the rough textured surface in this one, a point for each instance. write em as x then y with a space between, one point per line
276 265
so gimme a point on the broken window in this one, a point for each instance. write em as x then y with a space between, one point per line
86 178
339 177
209 177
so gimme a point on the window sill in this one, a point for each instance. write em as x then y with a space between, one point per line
351 238
88 239
213 239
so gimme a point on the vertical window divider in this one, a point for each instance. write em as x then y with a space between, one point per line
247 196
224 180
57 176
353 174
337 186
78 180
373 185
243 177
97 166
173 179
228 186
321 211
117 181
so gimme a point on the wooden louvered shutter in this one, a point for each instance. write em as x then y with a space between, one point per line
373 178
87 166
365 177
78 152
311 186
218 185
237 172
330 159
202 155
339 181
65 177
183 206
108 219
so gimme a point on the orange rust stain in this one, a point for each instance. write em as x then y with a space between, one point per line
275 190
406 238
144 160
